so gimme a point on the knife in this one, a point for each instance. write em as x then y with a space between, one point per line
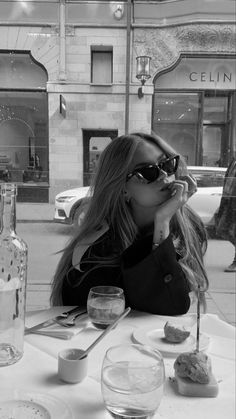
49 322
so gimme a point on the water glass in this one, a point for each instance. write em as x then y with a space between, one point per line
104 305
132 381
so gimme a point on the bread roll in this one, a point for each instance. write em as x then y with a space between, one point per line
175 333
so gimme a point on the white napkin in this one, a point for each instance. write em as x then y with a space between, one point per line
62 332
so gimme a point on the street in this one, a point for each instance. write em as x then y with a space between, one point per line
45 240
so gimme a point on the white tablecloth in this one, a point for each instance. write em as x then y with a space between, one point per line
37 370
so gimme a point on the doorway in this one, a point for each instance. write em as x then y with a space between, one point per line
94 142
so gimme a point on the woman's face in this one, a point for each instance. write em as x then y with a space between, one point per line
144 198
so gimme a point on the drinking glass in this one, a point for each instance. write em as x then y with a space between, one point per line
104 305
132 381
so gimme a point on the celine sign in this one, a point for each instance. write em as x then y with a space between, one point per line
200 73
210 77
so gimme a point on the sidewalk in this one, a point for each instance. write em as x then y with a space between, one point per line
221 294
30 212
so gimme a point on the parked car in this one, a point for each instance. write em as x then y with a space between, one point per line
205 201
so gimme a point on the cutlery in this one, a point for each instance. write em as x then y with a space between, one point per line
71 321
54 320
66 314
85 352
38 326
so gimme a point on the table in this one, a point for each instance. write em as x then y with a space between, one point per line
37 370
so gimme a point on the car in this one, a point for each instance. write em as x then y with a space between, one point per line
68 205
205 201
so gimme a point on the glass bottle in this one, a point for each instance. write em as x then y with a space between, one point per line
13 275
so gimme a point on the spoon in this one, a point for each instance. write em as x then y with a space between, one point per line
198 319
108 329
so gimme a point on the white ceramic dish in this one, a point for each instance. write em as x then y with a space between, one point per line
17 404
156 338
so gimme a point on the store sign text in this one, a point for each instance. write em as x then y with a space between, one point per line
210 77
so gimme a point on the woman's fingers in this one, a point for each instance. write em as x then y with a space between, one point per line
179 191
192 184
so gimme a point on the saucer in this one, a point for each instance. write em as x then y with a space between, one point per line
17 404
156 338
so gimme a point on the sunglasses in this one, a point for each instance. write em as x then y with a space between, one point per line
151 172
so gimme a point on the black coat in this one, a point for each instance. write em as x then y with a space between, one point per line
153 280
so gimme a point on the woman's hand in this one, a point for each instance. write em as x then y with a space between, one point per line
178 196
180 191
192 184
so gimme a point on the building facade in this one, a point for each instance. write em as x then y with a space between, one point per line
68 84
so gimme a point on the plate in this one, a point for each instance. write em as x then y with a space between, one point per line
17 404
156 338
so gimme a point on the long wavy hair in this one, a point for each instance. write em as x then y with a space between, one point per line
107 204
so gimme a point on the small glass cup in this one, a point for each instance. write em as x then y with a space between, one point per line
104 305
132 381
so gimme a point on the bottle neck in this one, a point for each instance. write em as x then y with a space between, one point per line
8 209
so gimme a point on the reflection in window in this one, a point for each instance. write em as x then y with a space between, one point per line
215 109
24 125
198 125
23 137
176 119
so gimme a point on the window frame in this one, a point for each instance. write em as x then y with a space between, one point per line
101 49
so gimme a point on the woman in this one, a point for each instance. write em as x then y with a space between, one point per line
226 217
137 233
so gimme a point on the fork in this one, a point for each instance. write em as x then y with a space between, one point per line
70 322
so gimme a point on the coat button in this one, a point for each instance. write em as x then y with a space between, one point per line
168 278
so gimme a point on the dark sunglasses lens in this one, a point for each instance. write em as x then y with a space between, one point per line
170 166
150 173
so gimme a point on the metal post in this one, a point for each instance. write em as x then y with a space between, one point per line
127 83
62 50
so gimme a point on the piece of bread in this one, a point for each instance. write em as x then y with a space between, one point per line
193 365
194 376
175 333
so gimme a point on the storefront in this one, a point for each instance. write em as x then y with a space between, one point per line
68 85
194 108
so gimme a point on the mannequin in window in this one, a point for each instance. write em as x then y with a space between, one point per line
38 167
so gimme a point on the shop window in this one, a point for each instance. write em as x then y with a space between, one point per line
23 137
176 119
24 126
101 65
215 109
196 125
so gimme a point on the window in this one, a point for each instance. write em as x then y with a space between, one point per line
24 155
197 125
101 65
176 119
